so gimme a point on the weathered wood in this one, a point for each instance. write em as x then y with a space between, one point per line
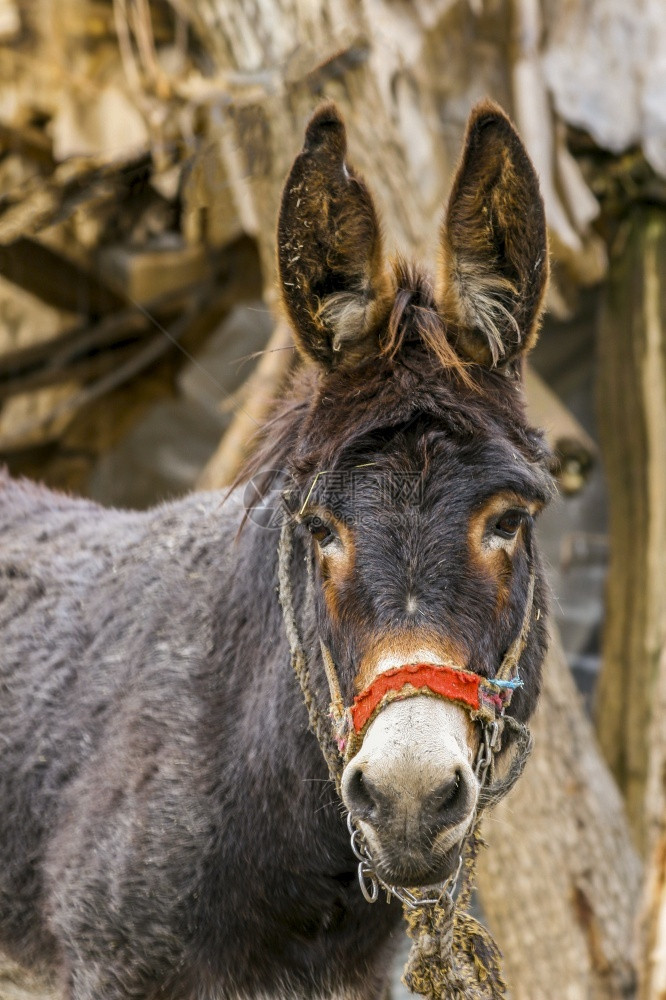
400 78
653 954
632 419
215 100
560 879
144 274
652 928
122 383
574 450
253 405
605 72
651 941
56 280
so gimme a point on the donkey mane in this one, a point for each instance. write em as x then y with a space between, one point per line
414 318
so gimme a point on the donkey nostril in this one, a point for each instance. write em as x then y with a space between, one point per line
448 804
448 793
361 795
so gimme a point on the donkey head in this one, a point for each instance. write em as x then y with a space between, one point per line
416 477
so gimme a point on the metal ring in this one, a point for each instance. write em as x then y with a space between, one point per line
451 882
365 872
361 852
407 897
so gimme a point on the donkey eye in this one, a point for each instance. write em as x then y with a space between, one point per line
508 524
320 531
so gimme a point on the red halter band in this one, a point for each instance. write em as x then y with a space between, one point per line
481 695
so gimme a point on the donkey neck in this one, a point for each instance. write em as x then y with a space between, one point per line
257 692
283 861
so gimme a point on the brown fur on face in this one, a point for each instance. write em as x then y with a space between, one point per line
336 562
494 258
330 260
496 561
407 646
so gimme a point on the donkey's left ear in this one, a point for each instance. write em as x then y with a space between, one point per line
494 265
330 258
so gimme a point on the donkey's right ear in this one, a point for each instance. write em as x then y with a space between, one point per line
330 260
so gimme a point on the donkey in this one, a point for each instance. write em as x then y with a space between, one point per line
168 828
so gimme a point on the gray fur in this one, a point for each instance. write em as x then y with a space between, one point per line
164 826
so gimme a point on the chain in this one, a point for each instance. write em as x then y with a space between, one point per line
487 747
371 883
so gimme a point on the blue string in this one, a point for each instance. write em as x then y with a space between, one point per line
512 685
